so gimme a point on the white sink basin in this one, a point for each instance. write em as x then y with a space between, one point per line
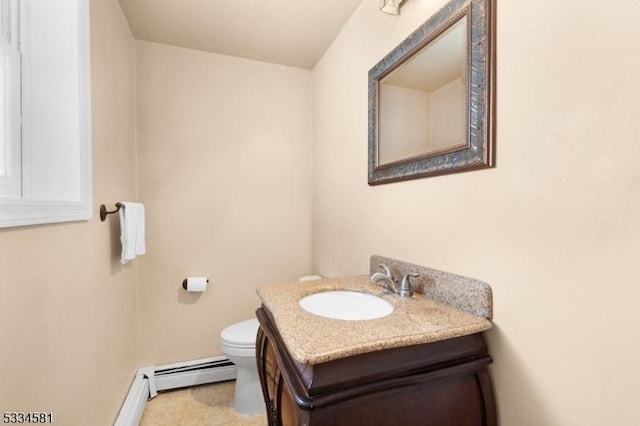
346 305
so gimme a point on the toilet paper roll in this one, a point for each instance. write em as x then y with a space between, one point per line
310 278
195 284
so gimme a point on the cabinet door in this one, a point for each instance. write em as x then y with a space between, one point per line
450 401
282 409
270 377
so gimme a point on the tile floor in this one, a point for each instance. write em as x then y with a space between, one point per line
209 405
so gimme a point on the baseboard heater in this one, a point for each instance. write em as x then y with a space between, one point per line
150 380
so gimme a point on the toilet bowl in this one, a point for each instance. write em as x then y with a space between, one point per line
238 342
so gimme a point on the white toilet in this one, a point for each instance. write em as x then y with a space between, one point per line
238 342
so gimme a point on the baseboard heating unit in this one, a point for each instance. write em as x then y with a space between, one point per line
150 380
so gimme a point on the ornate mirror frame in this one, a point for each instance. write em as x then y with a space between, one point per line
478 152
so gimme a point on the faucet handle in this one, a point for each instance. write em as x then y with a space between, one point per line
405 284
387 271
405 278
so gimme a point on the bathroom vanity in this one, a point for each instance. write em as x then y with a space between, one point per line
423 364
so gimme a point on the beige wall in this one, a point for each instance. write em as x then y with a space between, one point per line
224 169
67 307
554 228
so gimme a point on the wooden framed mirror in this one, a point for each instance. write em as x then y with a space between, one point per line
431 99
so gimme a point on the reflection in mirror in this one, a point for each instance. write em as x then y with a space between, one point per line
422 102
431 98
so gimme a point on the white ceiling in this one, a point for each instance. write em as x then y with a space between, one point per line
288 32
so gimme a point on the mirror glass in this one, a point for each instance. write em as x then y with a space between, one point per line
431 98
422 102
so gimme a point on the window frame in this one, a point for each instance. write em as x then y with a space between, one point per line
26 208
11 180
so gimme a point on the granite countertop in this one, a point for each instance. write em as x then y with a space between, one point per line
314 339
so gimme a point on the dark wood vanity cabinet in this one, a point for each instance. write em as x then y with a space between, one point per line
437 384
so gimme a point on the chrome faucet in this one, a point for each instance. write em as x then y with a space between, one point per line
403 289
386 278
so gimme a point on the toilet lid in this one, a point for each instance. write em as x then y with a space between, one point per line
241 334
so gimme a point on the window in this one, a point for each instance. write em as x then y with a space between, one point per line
10 178
45 140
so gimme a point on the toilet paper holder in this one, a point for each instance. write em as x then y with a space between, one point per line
186 280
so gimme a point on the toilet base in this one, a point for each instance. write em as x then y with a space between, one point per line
248 398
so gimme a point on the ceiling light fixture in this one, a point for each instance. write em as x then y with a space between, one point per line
392 7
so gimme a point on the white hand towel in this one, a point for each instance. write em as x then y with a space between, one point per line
132 233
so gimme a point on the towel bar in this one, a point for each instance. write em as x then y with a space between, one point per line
104 212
